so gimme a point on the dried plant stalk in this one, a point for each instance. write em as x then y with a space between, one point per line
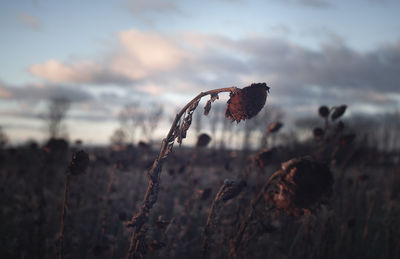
177 131
60 240
229 190
235 243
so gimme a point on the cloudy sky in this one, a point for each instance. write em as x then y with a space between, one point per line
103 55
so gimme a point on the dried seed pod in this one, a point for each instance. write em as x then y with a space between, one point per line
323 111
274 127
230 189
203 140
302 184
247 102
318 133
338 112
264 157
79 163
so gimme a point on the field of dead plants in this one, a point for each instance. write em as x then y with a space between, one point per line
329 196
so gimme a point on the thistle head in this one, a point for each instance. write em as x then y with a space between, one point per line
247 102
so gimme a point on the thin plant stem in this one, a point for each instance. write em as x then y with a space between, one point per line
60 249
235 243
151 195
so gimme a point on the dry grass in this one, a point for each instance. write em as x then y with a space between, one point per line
198 213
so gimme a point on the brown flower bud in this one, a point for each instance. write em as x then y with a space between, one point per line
79 163
323 111
303 183
247 102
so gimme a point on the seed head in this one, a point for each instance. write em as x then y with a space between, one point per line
303 183
79 163
323 111
230 189
338 112
247 102
203 140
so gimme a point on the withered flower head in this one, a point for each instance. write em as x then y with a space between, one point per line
79 163
230 189
338 112
323 111
203 140
264 157
247 102
274 127
318 133
303 183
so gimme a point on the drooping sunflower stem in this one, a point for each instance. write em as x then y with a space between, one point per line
177 131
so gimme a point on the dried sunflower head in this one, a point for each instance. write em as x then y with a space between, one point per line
302 184
247 102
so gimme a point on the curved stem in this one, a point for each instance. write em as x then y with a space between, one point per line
151 195
235 243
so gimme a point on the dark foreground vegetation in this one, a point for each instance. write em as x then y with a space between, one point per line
207 196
